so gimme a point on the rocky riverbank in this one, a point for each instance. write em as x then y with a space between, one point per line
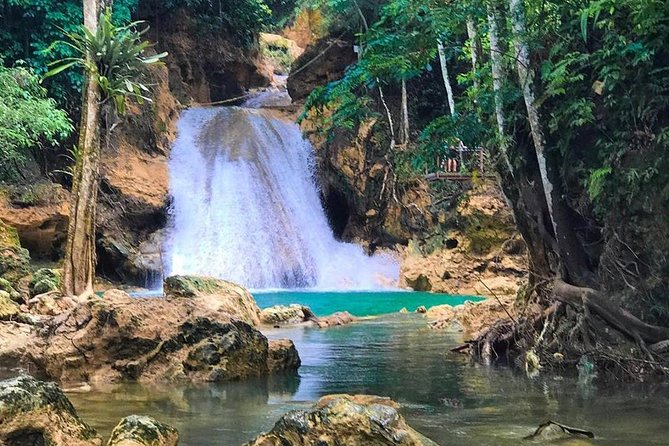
203 330
33 412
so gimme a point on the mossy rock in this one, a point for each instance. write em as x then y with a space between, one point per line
9 310
9 237
7 287
14 260
192 286
486 233
45 280
38 413
138 430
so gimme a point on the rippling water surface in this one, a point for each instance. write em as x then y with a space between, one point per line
444 396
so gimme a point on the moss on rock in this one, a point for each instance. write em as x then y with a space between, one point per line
359 420
8 308
138 430
14 260
45 280
35 412
220 296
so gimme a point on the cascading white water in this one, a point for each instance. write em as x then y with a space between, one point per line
246 207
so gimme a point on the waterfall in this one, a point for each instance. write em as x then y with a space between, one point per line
246 207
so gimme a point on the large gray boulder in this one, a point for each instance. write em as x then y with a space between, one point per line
138 430
38 413
359 420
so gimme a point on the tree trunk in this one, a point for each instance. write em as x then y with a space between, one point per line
447 81
497 82
573 260
474 46
389 116
79 263
404 126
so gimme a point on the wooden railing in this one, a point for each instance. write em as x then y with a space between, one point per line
460 164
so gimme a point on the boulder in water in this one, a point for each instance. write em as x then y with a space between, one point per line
38 413
119 338
283 356
286 314
360 420
143 431
336 319
214 295
553 431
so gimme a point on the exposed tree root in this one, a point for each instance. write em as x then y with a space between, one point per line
582 324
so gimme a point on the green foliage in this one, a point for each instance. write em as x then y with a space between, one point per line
29 121
342 104
118 59
29 27
441 135
241 19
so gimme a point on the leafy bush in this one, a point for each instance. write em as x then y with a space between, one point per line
29 120
29 27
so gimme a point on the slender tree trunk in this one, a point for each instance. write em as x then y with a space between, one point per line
389 116
444 75
473 42
404 127
526 78
79 263
497 83
573 260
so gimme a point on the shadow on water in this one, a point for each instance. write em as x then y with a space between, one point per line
444 396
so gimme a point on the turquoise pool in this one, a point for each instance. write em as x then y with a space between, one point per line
358 303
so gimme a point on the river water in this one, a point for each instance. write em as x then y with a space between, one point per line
444 396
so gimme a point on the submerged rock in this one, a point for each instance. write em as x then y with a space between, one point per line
215 295
336 319
143 431
38 413
552 431
360 420
286 314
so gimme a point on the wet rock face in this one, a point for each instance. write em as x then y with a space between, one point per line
334 56
143 431
34 413
360 420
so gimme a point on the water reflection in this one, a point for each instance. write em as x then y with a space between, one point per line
444 396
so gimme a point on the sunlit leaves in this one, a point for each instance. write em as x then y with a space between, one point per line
28 119
115 55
